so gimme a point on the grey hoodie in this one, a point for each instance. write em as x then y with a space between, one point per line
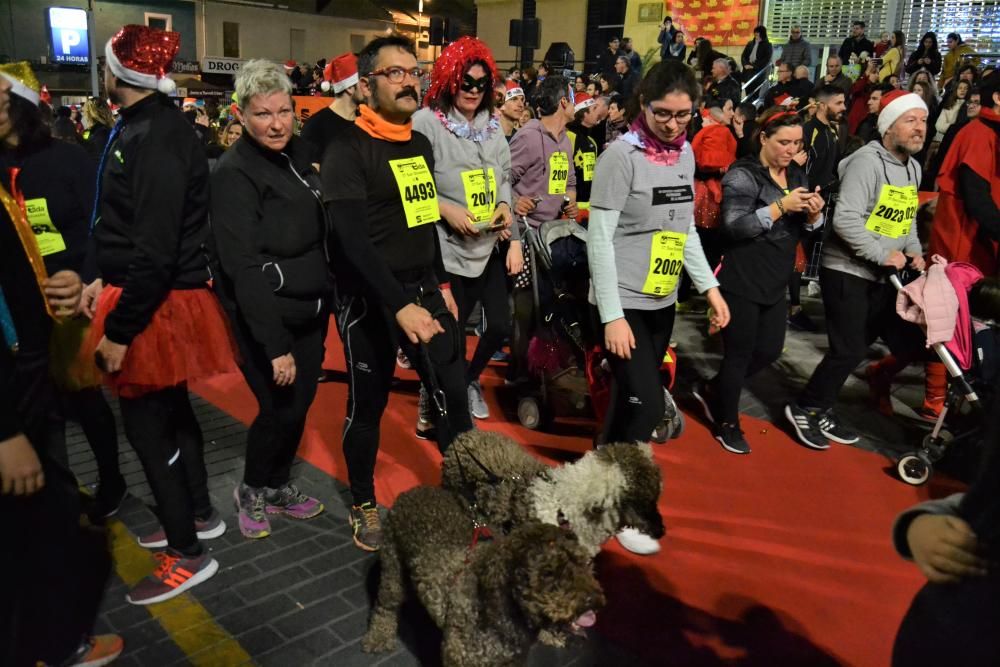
851 247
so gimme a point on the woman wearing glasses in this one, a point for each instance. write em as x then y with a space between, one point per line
270 231
641 235
766 208
472 173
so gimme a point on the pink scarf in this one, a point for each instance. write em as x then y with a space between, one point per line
657 150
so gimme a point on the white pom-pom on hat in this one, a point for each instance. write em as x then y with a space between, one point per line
166 85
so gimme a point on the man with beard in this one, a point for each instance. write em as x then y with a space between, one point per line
874 233
857 43
378 184
511 109
340 76
868 128
835 75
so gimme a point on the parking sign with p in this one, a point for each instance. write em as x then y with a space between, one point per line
68 28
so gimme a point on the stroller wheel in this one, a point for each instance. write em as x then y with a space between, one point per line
914 469
935 447
529 412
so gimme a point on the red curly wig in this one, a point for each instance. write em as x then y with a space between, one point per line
451 66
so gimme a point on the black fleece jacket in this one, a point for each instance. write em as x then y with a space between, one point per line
65 177
153 223
270 228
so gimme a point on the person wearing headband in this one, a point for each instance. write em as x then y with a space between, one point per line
766 208
511 109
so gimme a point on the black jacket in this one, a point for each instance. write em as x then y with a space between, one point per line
764 52
95 139
758 260
64 176
728 88
912 66
269 229
857 47
154 214
629 84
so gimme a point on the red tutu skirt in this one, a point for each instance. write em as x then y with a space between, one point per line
187 339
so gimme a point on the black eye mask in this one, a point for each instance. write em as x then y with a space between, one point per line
469 84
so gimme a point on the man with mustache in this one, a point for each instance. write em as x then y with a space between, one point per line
379 189
874 234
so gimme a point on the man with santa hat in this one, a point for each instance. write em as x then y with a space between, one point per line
157 324
340 76
874 234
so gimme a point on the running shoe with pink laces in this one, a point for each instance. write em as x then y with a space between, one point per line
290 501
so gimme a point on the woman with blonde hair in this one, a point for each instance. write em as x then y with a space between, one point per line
97 123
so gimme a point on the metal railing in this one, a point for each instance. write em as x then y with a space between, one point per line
755 85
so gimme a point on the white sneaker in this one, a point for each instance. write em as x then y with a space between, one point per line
477 404
636 542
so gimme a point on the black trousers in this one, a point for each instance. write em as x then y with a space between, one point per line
56 569
752 341
858 312
637 387
274 435
951 624
490 289
91 410
370 340
165 435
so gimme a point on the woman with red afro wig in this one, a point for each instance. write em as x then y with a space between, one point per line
472 174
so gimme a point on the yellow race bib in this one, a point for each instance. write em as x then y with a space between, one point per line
50 240
416 190
666 261
589 162
894 211
558 173
480 197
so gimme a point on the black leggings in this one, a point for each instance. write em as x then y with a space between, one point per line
637 387
165 435
275 433
490 289
753 340
370 341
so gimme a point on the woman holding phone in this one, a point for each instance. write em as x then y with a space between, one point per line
766 208
472 175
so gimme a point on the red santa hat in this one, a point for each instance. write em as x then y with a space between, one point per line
894 104
141 56
583 101
289 65
340 73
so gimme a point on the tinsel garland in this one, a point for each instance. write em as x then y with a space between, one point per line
468 130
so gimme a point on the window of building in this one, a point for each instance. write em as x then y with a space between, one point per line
159 21
357 42
297 44
230 39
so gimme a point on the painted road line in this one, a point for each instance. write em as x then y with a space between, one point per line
187 623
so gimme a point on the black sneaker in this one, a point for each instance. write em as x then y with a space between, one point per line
836 431
703 394
801 322
109 498
806 425
730 436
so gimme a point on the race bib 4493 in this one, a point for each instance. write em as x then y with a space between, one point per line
416 190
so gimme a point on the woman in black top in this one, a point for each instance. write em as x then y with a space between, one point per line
270 230
756 54
926 56
766 207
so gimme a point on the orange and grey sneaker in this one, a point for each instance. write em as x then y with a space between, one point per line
174 574
366 526
97 651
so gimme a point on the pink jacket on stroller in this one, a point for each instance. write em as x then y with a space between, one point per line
939 301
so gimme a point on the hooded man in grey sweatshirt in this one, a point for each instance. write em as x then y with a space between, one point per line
874 234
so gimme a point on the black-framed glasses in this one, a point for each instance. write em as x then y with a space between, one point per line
398 74
664 116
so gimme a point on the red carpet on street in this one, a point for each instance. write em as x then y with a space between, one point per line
779 558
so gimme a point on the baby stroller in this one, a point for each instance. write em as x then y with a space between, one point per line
961 415
557 254
565 355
